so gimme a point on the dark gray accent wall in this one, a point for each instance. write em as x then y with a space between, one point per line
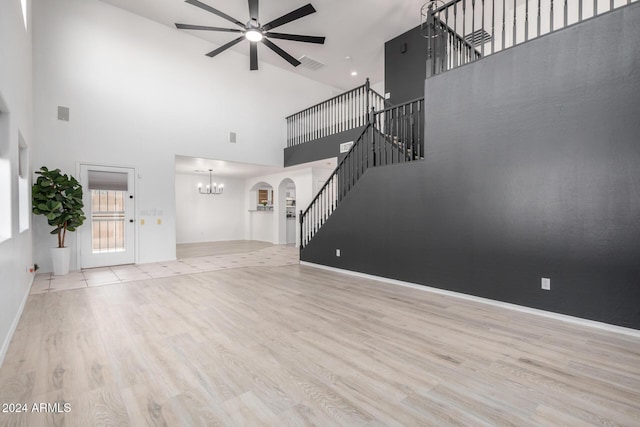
320 149
405 66
532 170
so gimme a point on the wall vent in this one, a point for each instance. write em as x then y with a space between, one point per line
477 38
63 113
310 63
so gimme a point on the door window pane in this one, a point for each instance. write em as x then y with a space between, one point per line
107 221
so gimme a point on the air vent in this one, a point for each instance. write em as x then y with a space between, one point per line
477 38
310 63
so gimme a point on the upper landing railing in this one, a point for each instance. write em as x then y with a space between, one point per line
489 26
338 114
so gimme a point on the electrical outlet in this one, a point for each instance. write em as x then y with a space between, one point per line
337 252
545 284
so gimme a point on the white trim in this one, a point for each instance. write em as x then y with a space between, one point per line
515 307
14 325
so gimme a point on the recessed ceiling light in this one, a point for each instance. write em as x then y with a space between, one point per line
347 57
354 73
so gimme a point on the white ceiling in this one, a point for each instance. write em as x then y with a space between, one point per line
354 28
226 169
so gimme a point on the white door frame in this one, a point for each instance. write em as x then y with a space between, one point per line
136 229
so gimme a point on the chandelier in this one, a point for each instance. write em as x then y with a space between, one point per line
212 187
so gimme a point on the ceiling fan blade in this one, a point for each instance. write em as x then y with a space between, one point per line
296 38
203 27
225 47
253 9
291 16
293 61
214 11
253 56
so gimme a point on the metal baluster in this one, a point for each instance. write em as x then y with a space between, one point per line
394 147
551 19
473 19
324 205
411 132
350 113
337 115
493 26
611 4
419 120
390 130
324 119
514 24
360 101
454 52
346 112
504 30
314 128
526 20
464 25
595 8
566 12
579 10
340 114
447 60
405 132
540 17
482 32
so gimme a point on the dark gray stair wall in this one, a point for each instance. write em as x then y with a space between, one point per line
405 65
321 148
532 170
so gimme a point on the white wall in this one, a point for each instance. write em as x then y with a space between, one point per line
139 93
209 218
16 108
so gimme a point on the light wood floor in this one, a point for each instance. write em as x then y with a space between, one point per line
293 345
191 250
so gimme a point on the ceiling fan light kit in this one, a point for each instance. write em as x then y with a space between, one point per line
256 33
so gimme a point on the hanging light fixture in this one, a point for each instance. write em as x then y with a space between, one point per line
212 187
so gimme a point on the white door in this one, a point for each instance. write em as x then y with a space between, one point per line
107 238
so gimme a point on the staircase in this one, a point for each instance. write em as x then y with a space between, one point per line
391 136
458 32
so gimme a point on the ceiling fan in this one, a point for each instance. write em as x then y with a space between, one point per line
254 32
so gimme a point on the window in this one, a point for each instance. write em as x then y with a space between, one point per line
24 193
108 192
23 3
6 208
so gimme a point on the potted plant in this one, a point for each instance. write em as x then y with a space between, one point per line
58 197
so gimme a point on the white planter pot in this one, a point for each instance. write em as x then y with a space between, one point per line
60 257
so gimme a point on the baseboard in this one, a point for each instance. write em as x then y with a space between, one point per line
14 325
548 314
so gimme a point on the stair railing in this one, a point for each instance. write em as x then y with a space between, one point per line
338 114
462 31
392 135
